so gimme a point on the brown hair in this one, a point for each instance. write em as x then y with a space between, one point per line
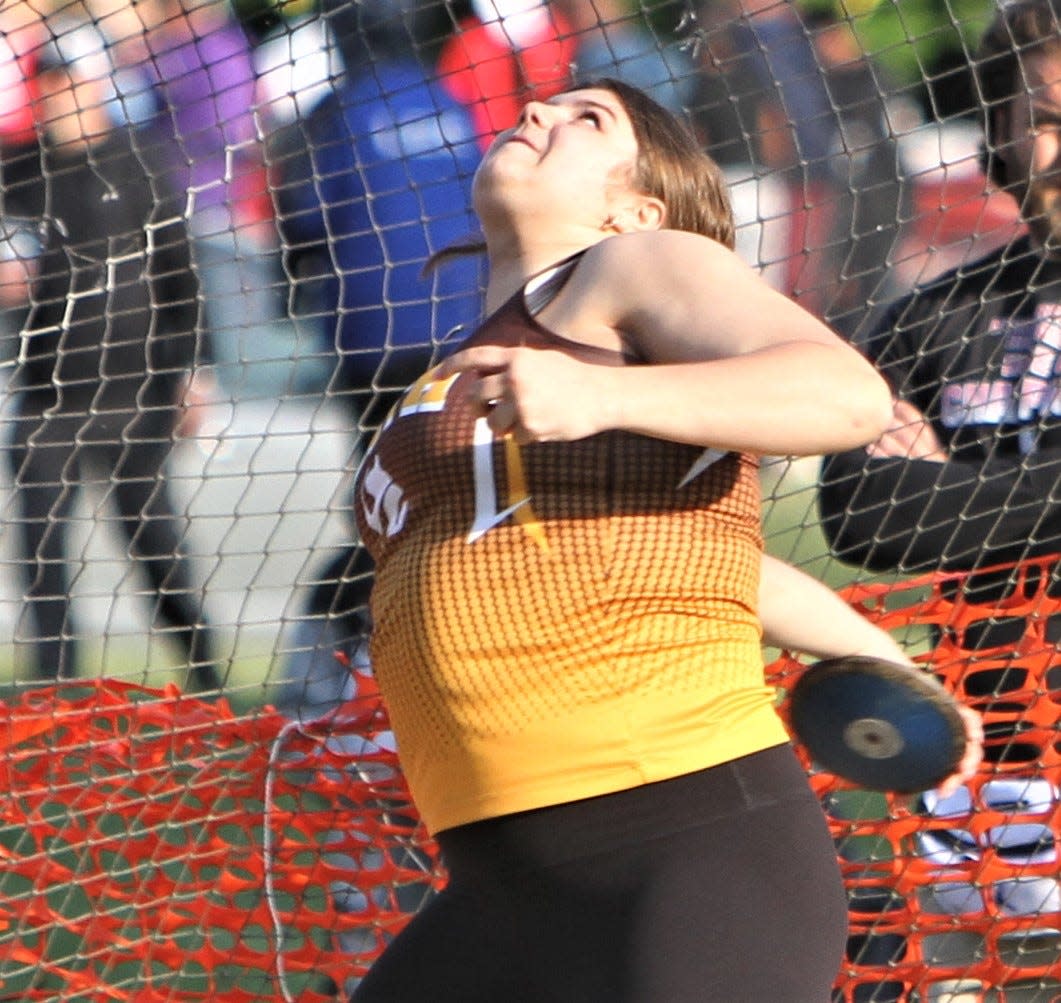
1021 28
671 166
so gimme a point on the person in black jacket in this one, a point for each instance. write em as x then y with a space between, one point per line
101 377
968 475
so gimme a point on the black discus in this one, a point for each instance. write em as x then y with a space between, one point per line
879 724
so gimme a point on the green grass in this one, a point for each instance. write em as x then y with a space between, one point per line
139 659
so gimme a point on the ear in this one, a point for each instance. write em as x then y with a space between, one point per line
646 213
650 214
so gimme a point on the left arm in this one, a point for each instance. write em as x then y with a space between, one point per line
803 615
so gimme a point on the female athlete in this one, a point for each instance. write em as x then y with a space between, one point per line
564 517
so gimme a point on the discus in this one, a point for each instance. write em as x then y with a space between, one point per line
879 724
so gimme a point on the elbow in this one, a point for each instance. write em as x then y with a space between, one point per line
868 411
873 421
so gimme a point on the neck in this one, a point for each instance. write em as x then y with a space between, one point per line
512 264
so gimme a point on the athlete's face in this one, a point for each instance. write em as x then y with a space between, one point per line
569 158
1029 144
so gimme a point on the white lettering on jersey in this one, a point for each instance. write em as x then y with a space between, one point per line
1038 389
987 403
1028 387
486 514
383 502
706 459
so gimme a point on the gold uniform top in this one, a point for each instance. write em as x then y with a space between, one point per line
560 620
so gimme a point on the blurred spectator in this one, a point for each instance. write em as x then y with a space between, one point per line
790 96
297 63
201 65
128 90
509 52
1027 842
19 261
869 200
612 41
19 253
384 182
106 352
966 478
764 101
22 31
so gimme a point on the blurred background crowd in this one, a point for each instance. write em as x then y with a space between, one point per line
836 123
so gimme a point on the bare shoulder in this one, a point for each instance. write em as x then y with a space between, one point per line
659 250
635 270
676 296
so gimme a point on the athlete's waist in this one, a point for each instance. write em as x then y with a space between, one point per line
558 754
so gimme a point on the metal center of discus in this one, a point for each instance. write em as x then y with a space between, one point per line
873 738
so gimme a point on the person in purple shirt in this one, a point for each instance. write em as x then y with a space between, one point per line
201 63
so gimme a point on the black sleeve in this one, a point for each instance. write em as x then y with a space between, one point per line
908 515
917 515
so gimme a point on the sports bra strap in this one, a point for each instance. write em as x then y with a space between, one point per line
544 287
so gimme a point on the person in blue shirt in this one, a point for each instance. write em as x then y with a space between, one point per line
371 183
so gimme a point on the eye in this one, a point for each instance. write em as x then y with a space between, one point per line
592 116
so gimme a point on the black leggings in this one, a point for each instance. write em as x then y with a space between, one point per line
51 457
717 887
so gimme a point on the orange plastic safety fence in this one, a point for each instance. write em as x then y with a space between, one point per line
158 847
961 903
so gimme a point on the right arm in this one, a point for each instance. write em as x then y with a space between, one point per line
728 362
802 615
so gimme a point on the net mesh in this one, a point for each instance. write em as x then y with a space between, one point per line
159 847
213 222
960 900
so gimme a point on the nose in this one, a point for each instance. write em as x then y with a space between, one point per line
534 113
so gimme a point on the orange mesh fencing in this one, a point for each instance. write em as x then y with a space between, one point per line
963 906
158 847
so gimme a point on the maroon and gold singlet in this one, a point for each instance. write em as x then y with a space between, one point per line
560 620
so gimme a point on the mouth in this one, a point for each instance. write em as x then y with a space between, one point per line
517 138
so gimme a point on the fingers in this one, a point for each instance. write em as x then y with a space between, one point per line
909 436
906 413
492 391
887 446
502 416
974 753
483 359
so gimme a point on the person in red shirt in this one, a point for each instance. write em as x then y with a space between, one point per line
507 53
